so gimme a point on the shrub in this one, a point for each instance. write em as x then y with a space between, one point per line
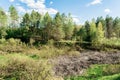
11 45
2 41
13 41
111 69
24 68
49 51
111 43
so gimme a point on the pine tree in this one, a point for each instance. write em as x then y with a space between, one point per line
47 23
116 28
58 32
26 20
100 33
3 18
87 30
14 16
82 34
68 27
109 27
93 35
3 23
35 18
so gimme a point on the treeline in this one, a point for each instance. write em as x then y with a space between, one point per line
42 28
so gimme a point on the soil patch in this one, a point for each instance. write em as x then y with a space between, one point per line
75 65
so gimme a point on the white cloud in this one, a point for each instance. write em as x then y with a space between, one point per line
21 9
51 11
95 2
51 2
107 11
38 5
11 0
76 19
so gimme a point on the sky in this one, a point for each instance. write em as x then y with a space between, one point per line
81 10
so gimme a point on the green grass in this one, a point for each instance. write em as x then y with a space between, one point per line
99 72
3 60
1 57
111 77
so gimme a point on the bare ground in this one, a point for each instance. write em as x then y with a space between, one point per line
75 65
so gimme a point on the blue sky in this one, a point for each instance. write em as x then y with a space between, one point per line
81 10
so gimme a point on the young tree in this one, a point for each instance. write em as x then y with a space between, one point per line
109 27
58 32
87 30
75 32
100 33
116 28
26 20
47 23
3 18
82 34
68 27
3 23
14 16
93 36
102 20
35 18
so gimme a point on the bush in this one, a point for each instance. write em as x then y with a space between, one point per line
24 68
111 43
49 51
111 69
2 41
11 45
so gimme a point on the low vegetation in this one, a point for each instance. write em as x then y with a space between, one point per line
100 72
22 67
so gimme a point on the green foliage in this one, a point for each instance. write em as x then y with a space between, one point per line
68 26
95 71
111 43
14 16
102 20
82 34
26 20
19 67
100 72
11 45
42 28
58 33
35 18
13 13
116 28
49 51
113 77
87 30
48 28
93 33
3 18
109 27
100 33
3 32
